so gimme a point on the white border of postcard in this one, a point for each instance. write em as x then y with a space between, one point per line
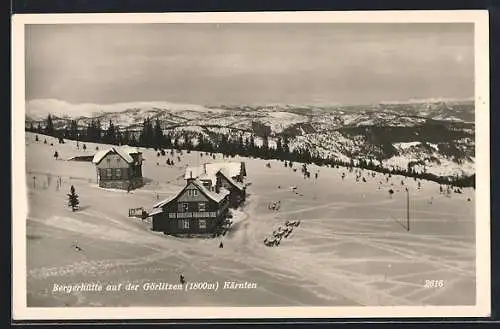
20 310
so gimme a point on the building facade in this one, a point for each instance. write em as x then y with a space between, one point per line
195 210
237 190
119 168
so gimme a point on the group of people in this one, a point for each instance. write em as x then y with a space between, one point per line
274 205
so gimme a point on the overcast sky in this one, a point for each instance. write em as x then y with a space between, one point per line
211 64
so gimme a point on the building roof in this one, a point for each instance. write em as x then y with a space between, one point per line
208 171
165 201
217 197
155 211
193 172
124 152
236 184
130 149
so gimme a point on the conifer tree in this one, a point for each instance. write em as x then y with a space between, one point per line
126 137
49 129
73 132
73 201
188 143
158 134
98 131
110 136
279 148
118 136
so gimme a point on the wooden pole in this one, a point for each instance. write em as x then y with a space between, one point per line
407 209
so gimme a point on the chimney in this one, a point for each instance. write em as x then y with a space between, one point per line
190 179
217 186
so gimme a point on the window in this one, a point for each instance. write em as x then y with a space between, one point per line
192 193
184 224
109 173
118 173
108 160
201 206
202 224
183 207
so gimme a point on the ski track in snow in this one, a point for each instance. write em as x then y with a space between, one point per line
363 296
326 276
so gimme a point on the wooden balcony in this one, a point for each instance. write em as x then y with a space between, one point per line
197 214
200 214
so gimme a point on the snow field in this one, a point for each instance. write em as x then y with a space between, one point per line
350 248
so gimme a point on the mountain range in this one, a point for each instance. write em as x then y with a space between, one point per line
435 136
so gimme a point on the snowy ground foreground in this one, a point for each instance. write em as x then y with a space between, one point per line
351 247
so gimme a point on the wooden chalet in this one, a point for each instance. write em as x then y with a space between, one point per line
228 175
119 167
237 190
195 210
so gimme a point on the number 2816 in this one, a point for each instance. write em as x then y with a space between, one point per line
434 284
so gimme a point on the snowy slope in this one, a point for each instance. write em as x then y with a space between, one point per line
351 233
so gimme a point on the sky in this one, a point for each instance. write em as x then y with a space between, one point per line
213 64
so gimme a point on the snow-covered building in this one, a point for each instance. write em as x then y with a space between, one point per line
119 167
237 190
194 210
207 173
202 205
229 175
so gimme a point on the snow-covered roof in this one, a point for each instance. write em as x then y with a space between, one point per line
165 201
231 180
217 197
233 168
155 211
208 171
193 172
130 149
124 152
99 156
223 193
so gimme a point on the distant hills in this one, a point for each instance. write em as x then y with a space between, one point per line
435 136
